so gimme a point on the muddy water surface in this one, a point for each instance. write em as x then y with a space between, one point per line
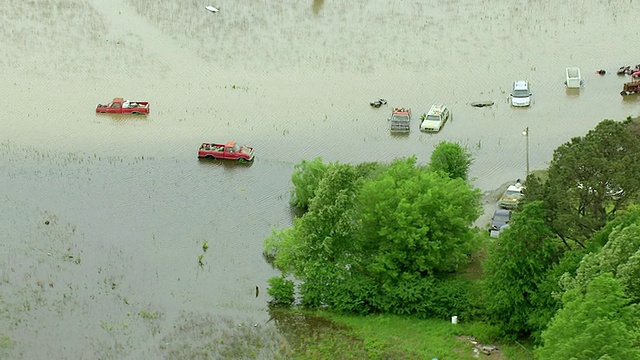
115 273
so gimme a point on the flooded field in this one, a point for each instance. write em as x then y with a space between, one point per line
104 217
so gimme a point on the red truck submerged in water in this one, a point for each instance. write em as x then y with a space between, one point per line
231 150
122 106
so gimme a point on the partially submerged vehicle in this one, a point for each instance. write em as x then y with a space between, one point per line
629 88
435 119
520 94
511 197
378 103
400 120
573 78
500 217
230 150
480 104
122 106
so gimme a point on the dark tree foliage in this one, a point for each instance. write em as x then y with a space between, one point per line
452 159
517 288
591 178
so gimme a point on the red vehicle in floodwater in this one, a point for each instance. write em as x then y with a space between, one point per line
231 150
122 106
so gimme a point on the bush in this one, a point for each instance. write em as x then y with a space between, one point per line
282 291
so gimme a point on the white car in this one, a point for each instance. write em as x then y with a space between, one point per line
434 120
521 95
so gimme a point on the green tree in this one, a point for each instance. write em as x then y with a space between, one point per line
415 221
596 324
373 237
305 178
452 159
591 178
620 256
518 294
319 247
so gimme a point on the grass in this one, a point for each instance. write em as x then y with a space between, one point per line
6 345
397 337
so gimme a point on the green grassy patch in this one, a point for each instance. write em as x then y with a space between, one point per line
397 337
6 344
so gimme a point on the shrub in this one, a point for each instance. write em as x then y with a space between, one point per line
282 291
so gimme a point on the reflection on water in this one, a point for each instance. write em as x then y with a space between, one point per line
572 92
317 5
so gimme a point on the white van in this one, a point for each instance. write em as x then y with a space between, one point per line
434 120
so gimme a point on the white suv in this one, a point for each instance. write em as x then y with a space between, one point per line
521 95
434 120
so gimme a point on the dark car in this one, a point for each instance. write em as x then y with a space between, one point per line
500 217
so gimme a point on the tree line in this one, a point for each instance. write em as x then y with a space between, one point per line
395 238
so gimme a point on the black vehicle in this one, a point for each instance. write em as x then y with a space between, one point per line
500 217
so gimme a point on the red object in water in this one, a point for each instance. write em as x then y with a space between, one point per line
122 106
231 150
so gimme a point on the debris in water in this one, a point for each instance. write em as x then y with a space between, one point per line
482 103
378 103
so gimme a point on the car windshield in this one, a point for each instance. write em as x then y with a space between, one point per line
511 194
400 118
521 93
433 118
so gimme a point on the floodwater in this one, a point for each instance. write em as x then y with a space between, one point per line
116 273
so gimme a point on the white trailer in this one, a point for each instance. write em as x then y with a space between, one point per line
574 78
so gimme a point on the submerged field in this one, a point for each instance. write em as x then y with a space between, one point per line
104 217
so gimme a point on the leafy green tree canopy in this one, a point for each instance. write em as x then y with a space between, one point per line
305 178
596 324
414 220
372 230
452 159
515 274
620 256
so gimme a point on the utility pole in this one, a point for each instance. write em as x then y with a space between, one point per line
525 132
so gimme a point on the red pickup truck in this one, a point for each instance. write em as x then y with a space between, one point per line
231 150
122 106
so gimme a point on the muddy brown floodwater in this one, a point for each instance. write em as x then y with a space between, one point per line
103 218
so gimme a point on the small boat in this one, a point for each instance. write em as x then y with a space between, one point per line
211 8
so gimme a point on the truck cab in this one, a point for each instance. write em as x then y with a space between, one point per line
400 120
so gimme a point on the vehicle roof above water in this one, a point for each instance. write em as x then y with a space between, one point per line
521 85
514 188
401 111
437 109
503 212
